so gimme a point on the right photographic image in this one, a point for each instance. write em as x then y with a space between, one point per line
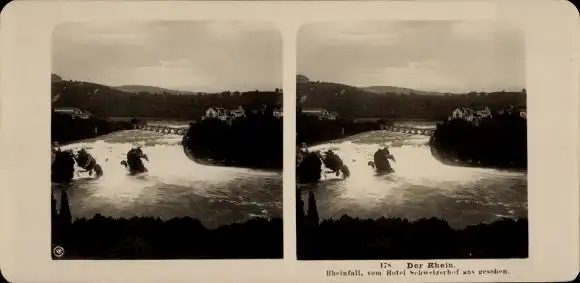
411 140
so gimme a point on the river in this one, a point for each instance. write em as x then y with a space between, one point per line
175 186
421 187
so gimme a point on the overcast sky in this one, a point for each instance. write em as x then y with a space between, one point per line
195 56
435 56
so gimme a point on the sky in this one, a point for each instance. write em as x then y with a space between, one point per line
440 56
202 56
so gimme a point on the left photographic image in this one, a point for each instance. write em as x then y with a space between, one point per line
167 140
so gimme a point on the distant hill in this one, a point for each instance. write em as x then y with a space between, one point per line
55 78
150 89
399 90
302 79
354 102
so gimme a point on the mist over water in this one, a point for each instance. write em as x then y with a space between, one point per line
175 186
421 186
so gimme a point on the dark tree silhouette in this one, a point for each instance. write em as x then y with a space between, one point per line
350 238
65 129
500 141
255 140
151 238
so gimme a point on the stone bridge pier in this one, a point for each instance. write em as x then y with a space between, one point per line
162 129
408 130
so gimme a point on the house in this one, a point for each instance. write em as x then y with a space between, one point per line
462 113
215 113
238 112
278 113
511 110
482 112
73 112
317 112
471 114
322 114
86 115
223 114
331 115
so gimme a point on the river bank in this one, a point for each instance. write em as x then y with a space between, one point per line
313 131
65 129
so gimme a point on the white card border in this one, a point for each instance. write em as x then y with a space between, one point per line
552 69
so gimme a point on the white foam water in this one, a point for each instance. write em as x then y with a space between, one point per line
174 186
420 187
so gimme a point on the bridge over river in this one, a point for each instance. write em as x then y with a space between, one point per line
408 130
163 129
183 130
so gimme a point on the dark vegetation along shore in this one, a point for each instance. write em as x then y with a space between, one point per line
498 142
312 130
350 238
65 129
152 238
253 141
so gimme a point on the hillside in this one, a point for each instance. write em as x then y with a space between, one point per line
394 89
353 102
106 101
301 79
150 89
55 78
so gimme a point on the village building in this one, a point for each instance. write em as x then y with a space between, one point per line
322 114
214 113
232 114
511 110
278 113
75 113
223 114
236 113
471 114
